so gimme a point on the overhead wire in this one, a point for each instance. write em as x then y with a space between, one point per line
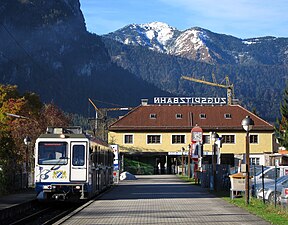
21 47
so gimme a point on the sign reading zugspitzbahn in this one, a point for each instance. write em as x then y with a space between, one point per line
191 100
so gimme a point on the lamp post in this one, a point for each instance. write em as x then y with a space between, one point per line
214 137
27 141
189 160
182 151
247 124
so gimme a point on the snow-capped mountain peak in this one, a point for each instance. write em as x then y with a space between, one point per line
155 35
158 30
161 37
195 43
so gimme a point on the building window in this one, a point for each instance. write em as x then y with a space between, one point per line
206 139
254 139
202 116
255 161
227 116
178 139
228 139
128 139
154 139
153 116
179 116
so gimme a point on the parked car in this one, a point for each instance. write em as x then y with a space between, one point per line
284 197
269 189
258 187
268 175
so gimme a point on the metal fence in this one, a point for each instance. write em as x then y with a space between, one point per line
15 181
218 180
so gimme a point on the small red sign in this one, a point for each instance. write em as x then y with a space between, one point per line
196 134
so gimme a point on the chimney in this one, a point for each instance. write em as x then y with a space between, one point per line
144 101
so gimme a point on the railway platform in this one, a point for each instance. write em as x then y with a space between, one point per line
159 199
16 203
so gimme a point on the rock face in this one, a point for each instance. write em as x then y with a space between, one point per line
47 50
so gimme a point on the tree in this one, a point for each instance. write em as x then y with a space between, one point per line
281 127
34 118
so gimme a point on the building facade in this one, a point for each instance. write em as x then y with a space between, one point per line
164 131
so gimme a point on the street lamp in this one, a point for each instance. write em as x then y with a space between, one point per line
214 138
182 151
27 141
247 125
189 160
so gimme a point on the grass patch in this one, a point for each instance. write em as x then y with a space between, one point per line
136 167
187 179
275 215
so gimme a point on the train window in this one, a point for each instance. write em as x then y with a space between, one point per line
78 155
52 153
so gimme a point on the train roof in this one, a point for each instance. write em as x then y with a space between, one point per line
71 132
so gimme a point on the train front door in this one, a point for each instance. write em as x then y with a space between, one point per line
78 165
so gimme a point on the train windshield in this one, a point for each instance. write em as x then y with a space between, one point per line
52 153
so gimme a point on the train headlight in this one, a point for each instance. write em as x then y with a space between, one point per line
47 187
78 187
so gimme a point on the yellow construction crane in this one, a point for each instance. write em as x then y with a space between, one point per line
103 111
117 109
102 129
228 86
99 110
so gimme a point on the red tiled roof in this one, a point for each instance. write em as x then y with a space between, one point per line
139 118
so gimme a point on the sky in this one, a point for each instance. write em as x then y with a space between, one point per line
239 18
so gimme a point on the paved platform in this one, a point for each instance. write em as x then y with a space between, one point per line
161 199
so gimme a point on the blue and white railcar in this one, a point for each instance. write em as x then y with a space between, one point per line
70 165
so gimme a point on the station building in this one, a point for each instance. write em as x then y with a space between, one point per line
158 133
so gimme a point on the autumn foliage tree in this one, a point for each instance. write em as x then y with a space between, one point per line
32 119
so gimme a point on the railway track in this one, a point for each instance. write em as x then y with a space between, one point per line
42 214
49 213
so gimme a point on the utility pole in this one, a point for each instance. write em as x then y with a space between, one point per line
96 115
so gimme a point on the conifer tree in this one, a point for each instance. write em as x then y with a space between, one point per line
281 128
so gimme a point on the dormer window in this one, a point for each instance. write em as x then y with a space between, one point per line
202 116
179 116
227 116
153 116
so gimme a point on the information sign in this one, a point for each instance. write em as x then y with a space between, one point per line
115 163
196 134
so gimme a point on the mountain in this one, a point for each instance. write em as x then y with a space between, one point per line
257 67
46 49
203 45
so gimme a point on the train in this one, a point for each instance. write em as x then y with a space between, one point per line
71 165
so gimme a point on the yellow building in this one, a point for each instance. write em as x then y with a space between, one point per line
162 131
